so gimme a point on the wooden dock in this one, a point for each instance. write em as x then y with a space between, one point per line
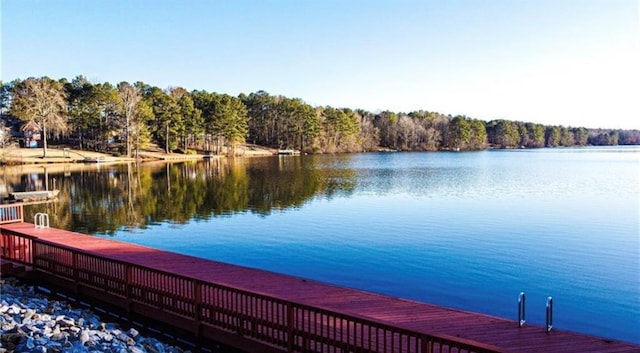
41 195
288 152
262 311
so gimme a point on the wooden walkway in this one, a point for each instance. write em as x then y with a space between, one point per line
333 315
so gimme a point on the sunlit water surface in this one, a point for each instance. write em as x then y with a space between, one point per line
463 230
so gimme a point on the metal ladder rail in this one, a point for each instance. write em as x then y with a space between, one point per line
521 309
549 314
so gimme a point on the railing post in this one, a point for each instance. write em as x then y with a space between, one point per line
238 311
290 326
74 265
549 314
29 258
197 297
3 245
24 246
34 254
521 310
128 290
426 344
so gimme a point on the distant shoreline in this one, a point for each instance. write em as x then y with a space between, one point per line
56 155
33 156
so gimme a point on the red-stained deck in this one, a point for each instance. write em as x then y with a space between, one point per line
411 315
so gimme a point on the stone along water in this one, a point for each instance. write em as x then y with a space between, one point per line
34 324
465 230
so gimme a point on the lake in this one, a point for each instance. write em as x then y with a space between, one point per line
467 230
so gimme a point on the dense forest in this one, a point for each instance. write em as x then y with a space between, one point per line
127 117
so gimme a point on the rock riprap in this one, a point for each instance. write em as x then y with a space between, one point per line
30 322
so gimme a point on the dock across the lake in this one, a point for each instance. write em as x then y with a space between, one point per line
261 311
288 152
40 195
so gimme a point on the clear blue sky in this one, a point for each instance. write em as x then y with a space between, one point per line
568 62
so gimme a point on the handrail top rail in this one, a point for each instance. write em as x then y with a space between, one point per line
3 229
9 205
468 343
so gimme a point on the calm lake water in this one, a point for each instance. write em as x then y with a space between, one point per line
465 230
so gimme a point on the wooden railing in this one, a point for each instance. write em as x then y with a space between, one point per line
210 309
11 213
16 248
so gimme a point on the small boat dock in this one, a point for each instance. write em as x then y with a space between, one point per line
99 159
288 152
43 195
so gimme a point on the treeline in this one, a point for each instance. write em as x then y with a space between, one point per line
97 116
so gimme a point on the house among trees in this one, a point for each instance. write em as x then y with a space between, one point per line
31 135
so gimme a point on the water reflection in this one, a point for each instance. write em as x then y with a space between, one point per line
106 198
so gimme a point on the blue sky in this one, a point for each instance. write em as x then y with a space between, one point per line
565 62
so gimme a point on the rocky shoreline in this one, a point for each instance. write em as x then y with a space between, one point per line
30 322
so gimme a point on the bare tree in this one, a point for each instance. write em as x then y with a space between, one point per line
130 98
41 100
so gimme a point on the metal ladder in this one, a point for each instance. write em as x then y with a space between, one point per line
522 312
41 220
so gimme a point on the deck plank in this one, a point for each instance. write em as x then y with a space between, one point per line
421 317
